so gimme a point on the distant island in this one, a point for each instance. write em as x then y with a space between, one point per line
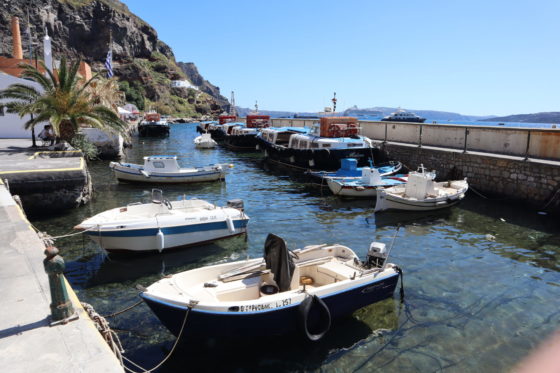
547 117
377 111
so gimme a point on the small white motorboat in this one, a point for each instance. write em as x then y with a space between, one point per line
421 193
205 141
284 292
162 225
165 169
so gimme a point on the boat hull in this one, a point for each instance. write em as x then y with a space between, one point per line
128 174
409 120
389 202
153 130
284 320
146 239
316 159
240 142
342 190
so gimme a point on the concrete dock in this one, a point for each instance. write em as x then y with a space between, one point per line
27 342
46 181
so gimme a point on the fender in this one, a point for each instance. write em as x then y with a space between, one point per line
324 319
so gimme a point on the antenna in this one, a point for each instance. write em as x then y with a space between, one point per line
28 32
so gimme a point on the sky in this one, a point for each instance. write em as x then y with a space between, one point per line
474 57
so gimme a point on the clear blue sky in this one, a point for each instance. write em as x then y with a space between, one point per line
477 57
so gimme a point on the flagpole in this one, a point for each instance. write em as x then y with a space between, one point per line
28 31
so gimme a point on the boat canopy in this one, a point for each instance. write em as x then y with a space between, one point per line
278 260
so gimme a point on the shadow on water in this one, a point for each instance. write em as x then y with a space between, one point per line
101 268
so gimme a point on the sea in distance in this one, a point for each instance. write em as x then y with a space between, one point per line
481 279
474 123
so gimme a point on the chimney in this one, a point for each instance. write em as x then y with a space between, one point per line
18 52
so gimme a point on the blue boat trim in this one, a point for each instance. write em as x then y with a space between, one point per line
172 305
146 232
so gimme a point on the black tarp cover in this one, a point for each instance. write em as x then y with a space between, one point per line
278 260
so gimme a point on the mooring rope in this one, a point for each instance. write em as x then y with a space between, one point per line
105 330
112 339
143 370
123 310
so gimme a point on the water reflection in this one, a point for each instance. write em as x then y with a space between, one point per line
472 304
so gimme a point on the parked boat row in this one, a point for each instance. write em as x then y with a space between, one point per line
303 290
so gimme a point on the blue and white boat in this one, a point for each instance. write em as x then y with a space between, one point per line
165 169
162 225
349 169
366 186
284 292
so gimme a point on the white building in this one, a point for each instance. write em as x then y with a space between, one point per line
183 84
11 125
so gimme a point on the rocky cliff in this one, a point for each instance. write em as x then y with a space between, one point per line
144 65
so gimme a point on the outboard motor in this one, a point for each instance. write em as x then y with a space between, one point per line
236 204
376 256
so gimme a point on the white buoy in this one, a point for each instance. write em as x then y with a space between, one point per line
160 240
230 225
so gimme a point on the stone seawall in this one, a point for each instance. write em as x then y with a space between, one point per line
536 183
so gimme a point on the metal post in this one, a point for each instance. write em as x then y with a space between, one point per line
385 133
466 134
528 144
61 306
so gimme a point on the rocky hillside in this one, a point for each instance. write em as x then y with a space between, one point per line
144 65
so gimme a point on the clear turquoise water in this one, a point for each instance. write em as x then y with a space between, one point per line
473 303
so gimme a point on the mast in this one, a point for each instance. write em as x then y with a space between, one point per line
334 103
232 109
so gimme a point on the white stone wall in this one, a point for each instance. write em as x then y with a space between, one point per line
11 125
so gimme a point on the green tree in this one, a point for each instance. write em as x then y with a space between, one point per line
64 101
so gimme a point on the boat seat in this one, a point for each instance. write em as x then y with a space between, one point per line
337 270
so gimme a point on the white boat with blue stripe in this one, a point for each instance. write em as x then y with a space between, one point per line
165 169
284 292
161 224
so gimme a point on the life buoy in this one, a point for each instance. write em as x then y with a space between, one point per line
322 325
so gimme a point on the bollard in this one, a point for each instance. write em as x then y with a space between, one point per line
61 306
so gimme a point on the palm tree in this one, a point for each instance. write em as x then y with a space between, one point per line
64 100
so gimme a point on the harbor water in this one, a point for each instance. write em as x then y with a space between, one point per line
481 280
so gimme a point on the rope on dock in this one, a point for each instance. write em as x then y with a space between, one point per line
105 330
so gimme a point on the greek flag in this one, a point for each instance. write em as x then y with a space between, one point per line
109 64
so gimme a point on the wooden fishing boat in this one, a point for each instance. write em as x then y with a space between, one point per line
165 169
153 125
242 136
320 148
286 291
421 193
